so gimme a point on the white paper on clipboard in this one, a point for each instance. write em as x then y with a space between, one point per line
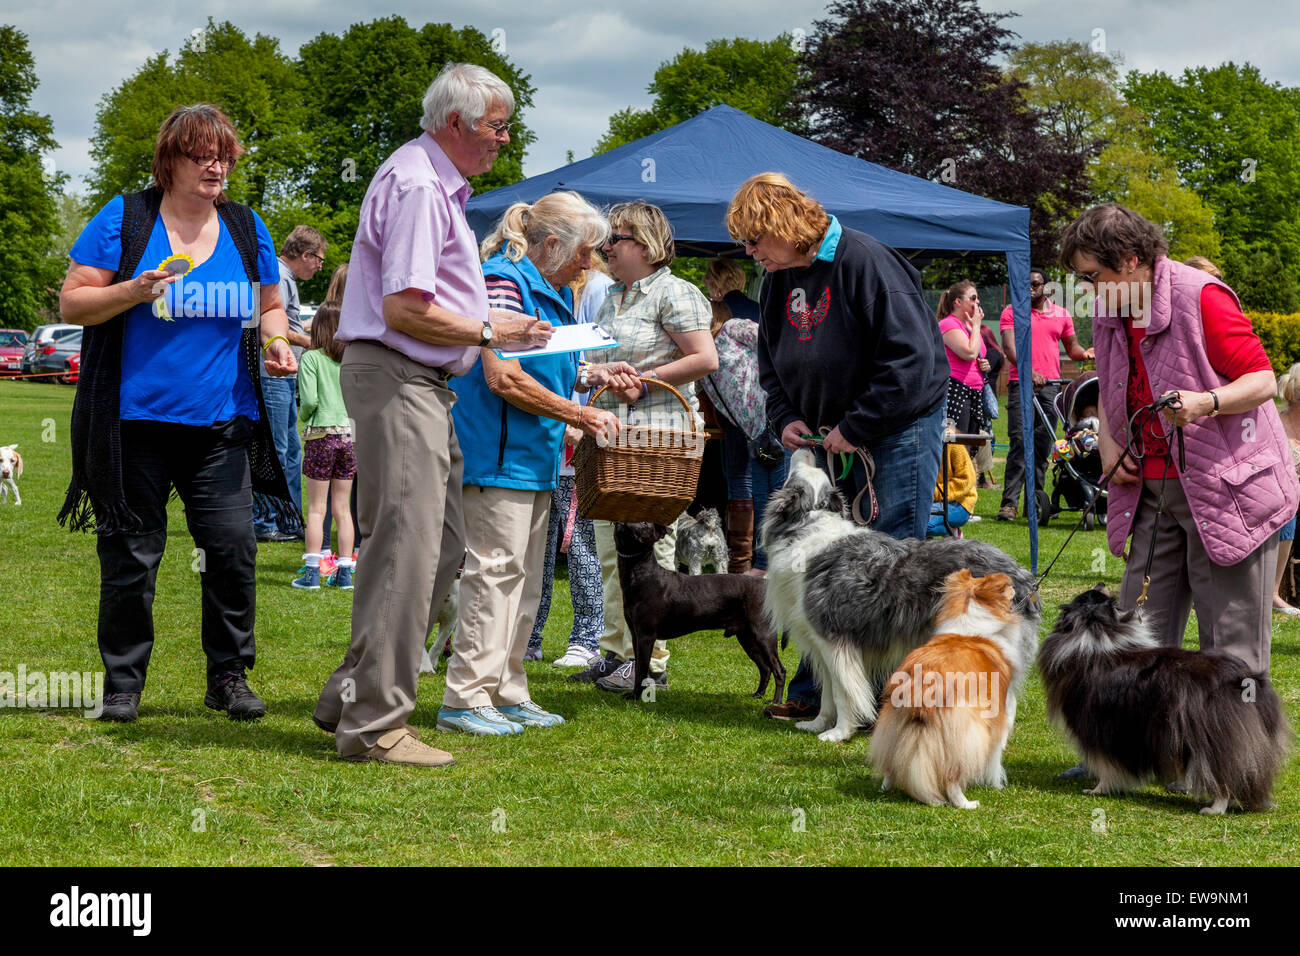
566 338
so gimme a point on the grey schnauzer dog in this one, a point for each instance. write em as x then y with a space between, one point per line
702 541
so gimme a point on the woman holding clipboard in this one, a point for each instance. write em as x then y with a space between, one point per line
510 416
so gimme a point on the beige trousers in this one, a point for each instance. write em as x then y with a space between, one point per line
505 541
617 637
409 471
1234 604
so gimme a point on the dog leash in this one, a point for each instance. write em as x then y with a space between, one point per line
846 460
1173 401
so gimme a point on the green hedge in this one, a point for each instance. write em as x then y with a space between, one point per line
1280 334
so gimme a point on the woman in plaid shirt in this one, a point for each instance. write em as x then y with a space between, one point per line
661 323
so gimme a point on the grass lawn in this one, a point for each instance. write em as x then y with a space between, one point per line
695 778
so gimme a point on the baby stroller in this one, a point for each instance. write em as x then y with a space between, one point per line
1076 458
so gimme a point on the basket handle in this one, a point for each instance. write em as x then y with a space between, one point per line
662 384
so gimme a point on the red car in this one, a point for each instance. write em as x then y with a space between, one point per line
74 370
11 351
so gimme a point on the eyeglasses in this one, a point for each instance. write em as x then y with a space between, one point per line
1088 277
751 243
615 238
499 128
1035 285
320 260
206 162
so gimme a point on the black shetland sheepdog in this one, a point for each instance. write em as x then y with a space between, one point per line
1137 712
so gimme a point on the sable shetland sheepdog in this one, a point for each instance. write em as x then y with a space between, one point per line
1136 711
948 711
856 601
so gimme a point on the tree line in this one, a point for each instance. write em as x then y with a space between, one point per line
933 88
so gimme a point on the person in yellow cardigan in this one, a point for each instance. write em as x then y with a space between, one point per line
961 492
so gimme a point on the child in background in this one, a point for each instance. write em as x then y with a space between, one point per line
961 493
328 459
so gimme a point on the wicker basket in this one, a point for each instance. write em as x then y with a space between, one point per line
648 473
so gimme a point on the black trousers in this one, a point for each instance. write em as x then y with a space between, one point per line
1014 479
208 466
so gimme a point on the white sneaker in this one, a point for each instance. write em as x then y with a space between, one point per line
575 656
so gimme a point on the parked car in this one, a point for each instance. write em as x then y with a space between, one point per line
11 351
56 354
44 335
74 370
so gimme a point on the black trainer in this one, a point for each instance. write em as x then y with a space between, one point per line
123 708
230 692
598 669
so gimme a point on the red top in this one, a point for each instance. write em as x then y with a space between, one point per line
1233 349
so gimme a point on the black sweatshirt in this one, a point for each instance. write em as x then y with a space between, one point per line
850 343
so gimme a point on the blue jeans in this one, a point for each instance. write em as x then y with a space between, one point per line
747 477
281 398
907 468
957 516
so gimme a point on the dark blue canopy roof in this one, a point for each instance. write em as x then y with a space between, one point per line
692 170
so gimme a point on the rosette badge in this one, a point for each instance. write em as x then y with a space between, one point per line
176 265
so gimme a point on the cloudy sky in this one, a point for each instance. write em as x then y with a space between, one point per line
586 61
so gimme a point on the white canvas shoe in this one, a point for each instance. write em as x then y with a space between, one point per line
575 656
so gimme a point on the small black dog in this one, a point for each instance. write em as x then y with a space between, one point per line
661 604
1137 711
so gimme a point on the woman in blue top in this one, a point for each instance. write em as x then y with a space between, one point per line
166 282
510 417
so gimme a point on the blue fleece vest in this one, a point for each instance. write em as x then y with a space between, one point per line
503 446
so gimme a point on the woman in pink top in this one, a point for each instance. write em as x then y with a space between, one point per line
959 324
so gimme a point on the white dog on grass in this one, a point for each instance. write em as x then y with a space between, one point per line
11 469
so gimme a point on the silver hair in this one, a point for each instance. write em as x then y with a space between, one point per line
523 230
467 89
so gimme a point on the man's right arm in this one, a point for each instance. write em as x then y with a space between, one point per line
410 313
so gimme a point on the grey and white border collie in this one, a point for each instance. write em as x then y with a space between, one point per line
1136 711
856 601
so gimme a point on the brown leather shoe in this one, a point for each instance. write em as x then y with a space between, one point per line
740 534
403 746
792 709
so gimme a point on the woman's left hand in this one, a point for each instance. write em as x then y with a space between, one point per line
619 376
835 442
279 360
984 365
1195 405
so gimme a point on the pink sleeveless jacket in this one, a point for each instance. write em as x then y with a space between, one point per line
1239 481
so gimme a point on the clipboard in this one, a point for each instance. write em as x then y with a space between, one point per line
583 337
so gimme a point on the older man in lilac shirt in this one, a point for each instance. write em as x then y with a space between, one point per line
415 313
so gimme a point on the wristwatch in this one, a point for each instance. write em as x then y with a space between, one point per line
486 339
1216 404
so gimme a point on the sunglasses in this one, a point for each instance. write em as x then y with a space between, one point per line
1089 277
615 238
751 243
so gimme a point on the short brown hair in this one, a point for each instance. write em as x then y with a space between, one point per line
649 227
770 203
324 326
303 239
190 130
1109 233
1205 265
725 275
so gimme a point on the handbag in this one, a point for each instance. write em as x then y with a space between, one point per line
766 449
990 401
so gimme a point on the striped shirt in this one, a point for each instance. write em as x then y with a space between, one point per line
504 294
